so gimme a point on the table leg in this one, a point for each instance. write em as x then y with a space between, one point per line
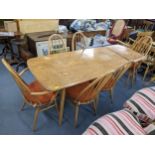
63 94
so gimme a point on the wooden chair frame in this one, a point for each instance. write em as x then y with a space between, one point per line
150 62
39 107
59 39
116 76
78 37
94 89
143 46
139 36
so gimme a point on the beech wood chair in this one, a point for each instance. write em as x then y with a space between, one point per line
109 86
150 62
86 93
78 37
142 45
56 44
34 94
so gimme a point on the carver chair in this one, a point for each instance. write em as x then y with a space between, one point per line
34 94
86 93
142 46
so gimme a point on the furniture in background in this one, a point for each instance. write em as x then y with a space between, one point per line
7 50
139 35
116 31
34 94
78 41
37 25
56 44
38 42
137 117
150 62
86 93
142 24
68 69
14 41
141 45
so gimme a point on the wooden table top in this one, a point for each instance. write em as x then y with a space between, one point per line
63 70
126 53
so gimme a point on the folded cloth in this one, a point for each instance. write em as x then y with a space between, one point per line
143 102
89 25
100 41
150 129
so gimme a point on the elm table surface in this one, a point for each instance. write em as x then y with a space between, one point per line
63 70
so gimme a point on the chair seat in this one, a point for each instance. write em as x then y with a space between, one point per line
35 86
73 92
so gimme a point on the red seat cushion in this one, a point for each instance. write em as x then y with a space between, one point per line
73 92
35 86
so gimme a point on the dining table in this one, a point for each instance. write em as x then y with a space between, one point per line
56 72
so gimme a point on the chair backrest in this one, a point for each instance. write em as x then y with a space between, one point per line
147 25
78 37
142 45
117 29
21 84
143 34
121 71
94 88
116 76
56 44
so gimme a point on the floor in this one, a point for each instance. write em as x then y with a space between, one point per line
16 122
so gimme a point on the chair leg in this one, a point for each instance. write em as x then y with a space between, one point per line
145 73
94 106
57 107
35 118
22 107
111 95
76 114
129 77
133 76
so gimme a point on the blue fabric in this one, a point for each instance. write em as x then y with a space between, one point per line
14 121
89 25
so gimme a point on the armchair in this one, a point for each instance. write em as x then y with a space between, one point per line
34 94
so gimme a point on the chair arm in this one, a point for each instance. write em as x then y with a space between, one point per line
122 43
39 93
130 39
23 71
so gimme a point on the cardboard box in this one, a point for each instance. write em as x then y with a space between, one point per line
10 26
